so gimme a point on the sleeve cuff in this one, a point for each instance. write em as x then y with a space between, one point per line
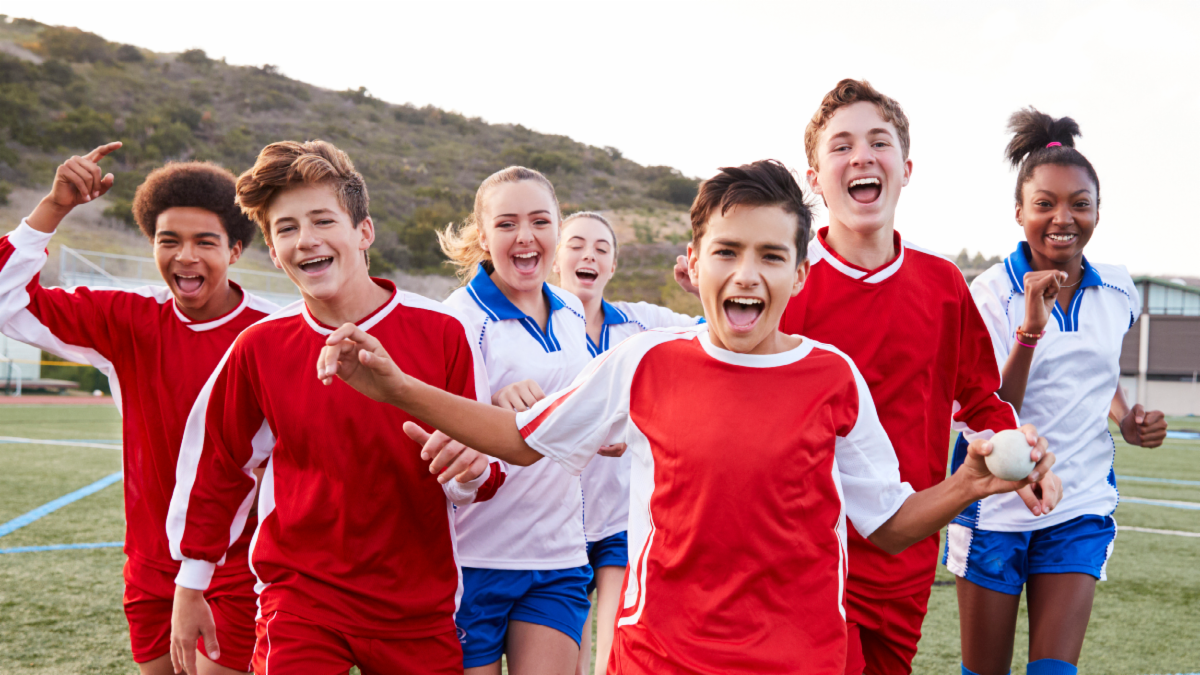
195 574
901 495
27 237
461 494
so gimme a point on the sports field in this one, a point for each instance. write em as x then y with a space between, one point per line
60 610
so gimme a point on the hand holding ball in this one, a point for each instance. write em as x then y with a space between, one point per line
1010 458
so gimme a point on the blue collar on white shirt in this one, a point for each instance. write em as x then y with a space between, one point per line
1017 264
492 301
612 317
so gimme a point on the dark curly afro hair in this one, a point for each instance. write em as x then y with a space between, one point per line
202 185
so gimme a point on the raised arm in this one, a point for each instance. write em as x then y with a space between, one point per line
361 361
1041 292
77 181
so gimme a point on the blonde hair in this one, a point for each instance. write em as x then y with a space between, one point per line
594 216
461 243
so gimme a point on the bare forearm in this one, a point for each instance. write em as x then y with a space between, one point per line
1015 376
486 428
47 215
923 514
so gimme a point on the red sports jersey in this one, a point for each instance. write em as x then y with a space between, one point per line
745 468
354 532
915 334
156 360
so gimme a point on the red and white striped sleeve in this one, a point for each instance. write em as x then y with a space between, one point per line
74 325
978 411
571 425
868 469
226 436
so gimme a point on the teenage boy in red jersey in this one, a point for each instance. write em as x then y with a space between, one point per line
157 346
354 552
751 448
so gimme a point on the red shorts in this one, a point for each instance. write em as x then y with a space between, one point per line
882 635
291 644
150 592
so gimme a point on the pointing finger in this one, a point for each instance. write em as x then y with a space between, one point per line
102 151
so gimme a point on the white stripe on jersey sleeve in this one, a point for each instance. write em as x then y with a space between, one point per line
571 425
868 470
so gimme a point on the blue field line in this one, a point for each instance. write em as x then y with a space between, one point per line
1189 506
1186 436
46 509
61 547
108 441
1172 481
106 444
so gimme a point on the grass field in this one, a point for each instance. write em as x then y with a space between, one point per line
60 611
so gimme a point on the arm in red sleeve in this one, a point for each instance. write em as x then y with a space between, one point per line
226 437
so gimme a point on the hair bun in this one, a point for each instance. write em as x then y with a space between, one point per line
1032 130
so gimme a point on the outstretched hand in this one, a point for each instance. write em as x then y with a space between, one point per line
359 359
79 179
974 470
447 457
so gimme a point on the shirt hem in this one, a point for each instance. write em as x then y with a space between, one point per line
427 628
571 563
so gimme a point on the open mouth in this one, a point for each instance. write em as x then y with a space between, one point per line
526 262
743 313
865 190
587 276
188 284
316 265
1062 237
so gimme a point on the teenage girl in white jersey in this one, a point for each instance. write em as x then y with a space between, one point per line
1057 322
525 566
586 260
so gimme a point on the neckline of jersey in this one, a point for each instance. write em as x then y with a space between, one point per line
753 360
366 323
225 318
875 276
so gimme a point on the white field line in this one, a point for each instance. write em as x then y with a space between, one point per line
72 444
1177 533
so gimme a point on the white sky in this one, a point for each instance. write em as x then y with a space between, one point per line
698 85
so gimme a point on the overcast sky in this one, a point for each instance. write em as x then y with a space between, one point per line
698 85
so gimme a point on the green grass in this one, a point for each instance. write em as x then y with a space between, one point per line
1145 616
60 612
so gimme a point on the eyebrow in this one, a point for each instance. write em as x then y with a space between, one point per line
598 241
514 215
847 134
203 235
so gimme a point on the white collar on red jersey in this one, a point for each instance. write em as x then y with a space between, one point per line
370 320
751 360
217 322
819 251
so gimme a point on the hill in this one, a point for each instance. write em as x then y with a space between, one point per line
64 91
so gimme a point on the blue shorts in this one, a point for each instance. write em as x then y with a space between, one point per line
492 598
1003 561
612 551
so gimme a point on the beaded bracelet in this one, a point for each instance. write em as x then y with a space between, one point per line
1030 336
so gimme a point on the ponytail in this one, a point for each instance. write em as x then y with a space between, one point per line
1040 139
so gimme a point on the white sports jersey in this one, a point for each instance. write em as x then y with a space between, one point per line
1071 384
606 480
536 521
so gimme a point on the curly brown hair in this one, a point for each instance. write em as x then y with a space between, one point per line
201 185
848 92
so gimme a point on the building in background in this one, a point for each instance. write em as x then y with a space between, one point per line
1160 358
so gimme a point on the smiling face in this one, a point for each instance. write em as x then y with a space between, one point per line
745 267
519 230
862 168
1058 212
587 258
316 242
193 255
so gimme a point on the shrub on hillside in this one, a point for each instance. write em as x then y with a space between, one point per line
73 45
129 54
195 57
675 189
82 129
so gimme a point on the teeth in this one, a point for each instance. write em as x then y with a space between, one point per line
864 181
531 254
315 260
746 301
185 276
1061 237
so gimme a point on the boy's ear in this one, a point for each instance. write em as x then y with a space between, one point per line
801 275
367 228
235 252
274 258
907 172
810 177
693 269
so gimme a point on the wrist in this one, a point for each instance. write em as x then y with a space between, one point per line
47 215
967 489
402 392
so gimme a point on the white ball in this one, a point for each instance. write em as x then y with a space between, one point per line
1010 455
